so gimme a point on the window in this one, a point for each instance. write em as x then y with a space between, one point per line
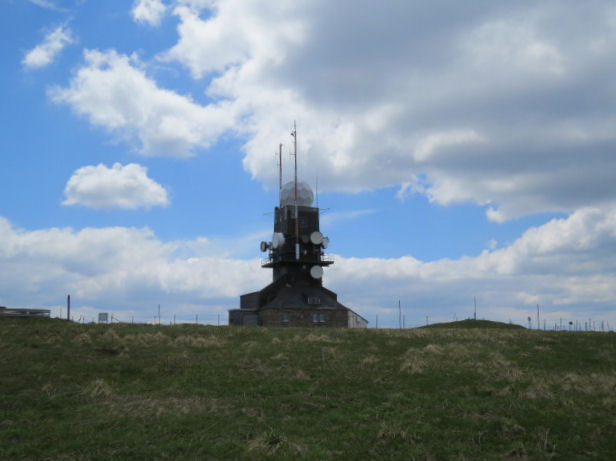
313 300
319 318
285 318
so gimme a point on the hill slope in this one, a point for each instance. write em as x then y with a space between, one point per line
70 391
470 323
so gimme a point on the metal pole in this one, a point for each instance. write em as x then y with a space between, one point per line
280 167
295 179
68 307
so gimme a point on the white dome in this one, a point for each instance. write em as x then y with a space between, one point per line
304 194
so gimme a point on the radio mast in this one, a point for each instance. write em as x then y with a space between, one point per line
279 166
294 134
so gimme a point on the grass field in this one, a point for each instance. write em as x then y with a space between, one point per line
72 391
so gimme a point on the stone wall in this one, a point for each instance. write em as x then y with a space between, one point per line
273 317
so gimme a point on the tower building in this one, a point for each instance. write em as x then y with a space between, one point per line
296 255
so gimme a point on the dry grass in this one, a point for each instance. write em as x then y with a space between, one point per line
194 392
98 388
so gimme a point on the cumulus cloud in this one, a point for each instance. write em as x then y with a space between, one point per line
43 54
121 186
115 93
148 11
126 269
566 266
500 105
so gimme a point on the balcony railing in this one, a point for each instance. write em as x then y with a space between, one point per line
329 259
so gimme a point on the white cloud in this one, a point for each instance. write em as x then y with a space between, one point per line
148 11
566 266
115 93
126 269
121 186
502 105
47 4
42 55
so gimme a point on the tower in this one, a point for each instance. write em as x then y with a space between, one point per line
296 255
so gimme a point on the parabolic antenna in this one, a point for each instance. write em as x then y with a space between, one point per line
277 240
325 242
316 238
316 272
264 246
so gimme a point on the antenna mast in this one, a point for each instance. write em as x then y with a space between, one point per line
294 134
280 166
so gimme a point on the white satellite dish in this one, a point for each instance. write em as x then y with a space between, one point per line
325 242
277 240
316 238
316 272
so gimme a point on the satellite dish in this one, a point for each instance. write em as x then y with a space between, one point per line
265 246
316 272
325 242
277 240
316 238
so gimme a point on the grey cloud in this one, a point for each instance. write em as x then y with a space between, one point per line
516 100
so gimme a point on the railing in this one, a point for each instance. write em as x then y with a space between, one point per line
329 259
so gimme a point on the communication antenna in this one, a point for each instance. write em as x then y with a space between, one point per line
280 167
294 134
316 190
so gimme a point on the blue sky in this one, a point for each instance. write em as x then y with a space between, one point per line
460 150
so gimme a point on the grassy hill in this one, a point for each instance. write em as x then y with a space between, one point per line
70 391
471 323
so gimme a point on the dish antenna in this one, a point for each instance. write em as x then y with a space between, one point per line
277 240
316 272
316 238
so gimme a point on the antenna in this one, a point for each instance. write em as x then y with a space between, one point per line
280 167
294 134
316 191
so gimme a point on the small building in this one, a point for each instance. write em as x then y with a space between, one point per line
296 296
24 312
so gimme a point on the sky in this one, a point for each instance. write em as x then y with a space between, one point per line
462 152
